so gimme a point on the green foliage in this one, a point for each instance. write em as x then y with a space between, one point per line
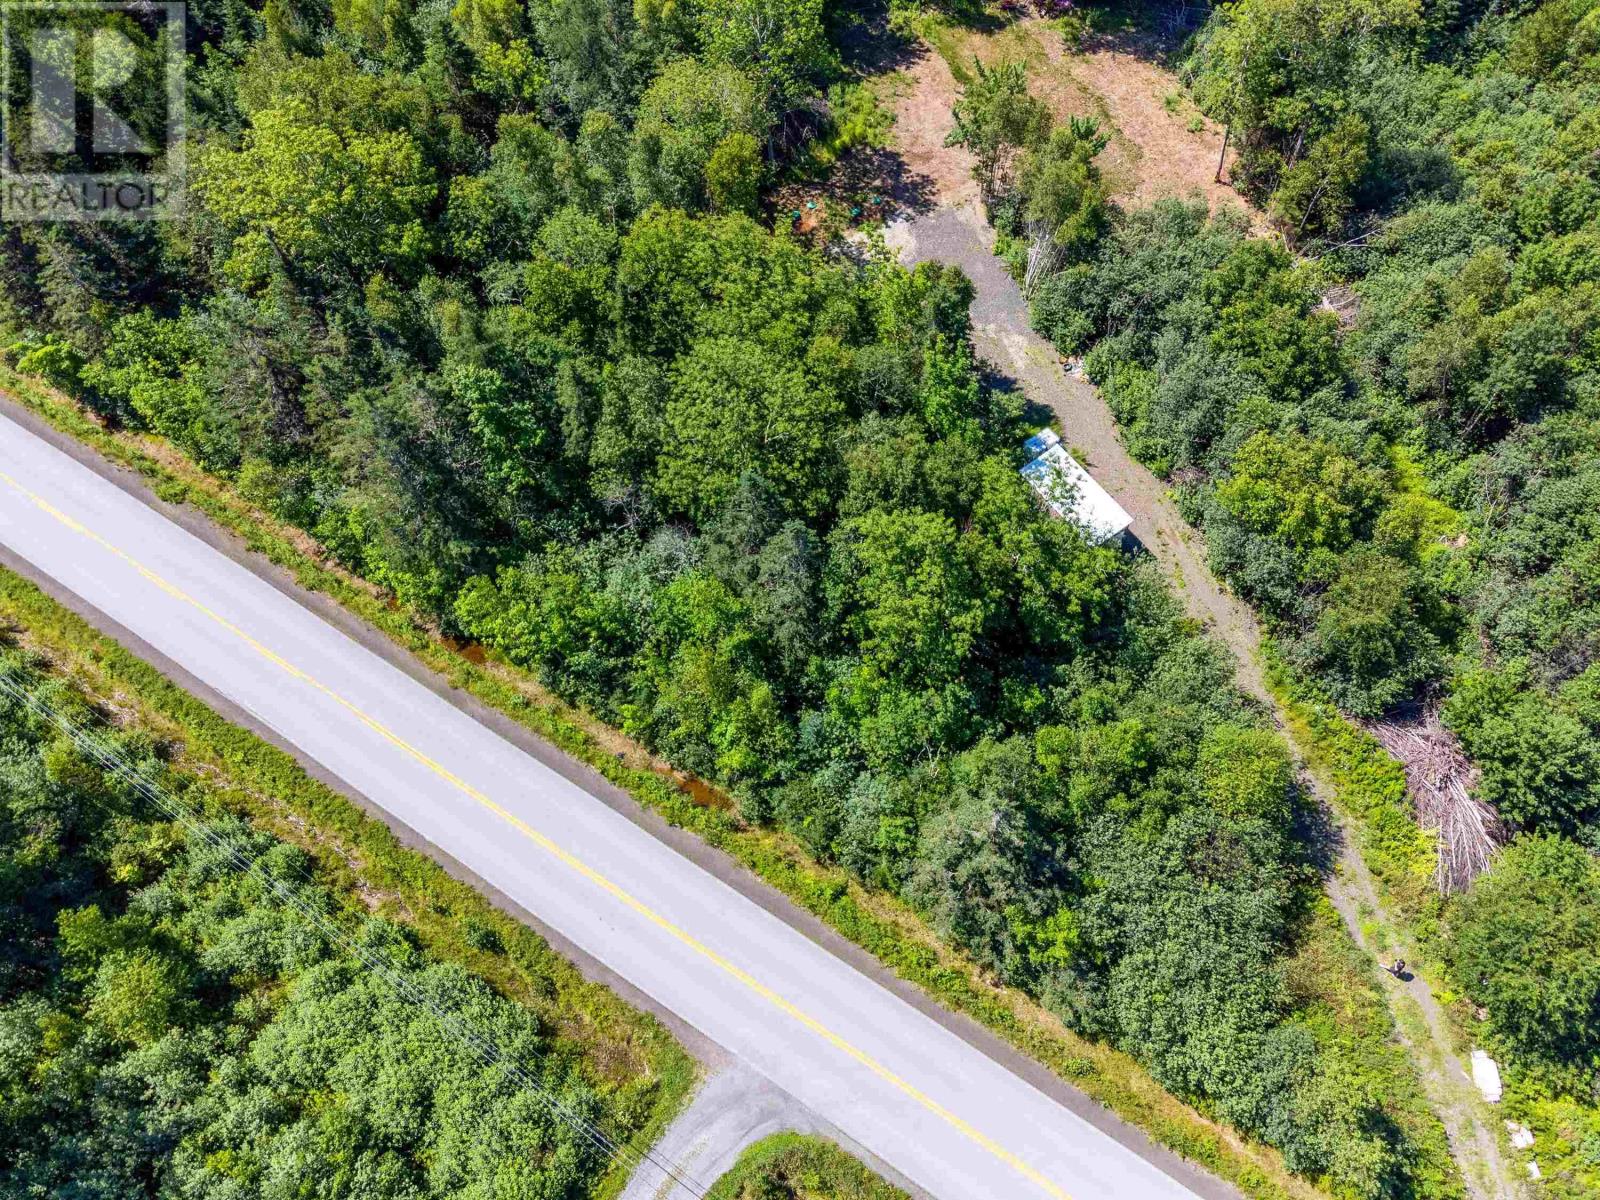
733 174
1277 72
910 594
137 997
321 183
1369 786
857 118
995 118
1541 764
1409 497
1315 195
1525 944
688 120
1247 774
734 405
790 1167
1212 353
1038 179
149 985
1373 642
1300 491
1265 317
150 367
1567 1132
49 358
1063 209
951 396
779 45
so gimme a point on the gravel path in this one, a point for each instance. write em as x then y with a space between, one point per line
1004 338
1023 359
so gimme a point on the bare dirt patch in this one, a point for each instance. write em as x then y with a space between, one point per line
1161 146
1179 149
923 118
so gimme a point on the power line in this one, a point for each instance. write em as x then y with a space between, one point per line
484 1048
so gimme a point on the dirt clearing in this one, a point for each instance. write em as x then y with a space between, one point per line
1178 148
1161 145
923 118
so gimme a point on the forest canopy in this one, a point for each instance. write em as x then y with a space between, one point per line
484 298
1385 417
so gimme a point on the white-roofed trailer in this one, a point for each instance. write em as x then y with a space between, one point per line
1040 442
1069 491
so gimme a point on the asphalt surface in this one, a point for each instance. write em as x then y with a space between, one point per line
946 1116
733 1109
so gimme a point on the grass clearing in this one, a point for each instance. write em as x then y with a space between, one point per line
1338 994
1370 788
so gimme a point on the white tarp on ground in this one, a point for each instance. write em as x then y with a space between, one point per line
1486 1074
1070 492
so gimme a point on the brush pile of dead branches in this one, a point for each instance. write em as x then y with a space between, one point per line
1441 779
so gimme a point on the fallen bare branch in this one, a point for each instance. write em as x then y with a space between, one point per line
1441 781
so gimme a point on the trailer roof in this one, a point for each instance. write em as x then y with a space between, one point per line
1072 494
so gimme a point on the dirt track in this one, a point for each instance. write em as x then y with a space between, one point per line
953 229
1005 339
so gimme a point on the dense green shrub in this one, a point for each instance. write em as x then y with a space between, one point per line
172 1024
790 1167
1525 943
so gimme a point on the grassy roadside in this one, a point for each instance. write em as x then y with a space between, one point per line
633 1058
791 1167
878 923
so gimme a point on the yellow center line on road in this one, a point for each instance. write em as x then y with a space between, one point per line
564 856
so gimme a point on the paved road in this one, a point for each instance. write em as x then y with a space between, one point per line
734 1109
946 1116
